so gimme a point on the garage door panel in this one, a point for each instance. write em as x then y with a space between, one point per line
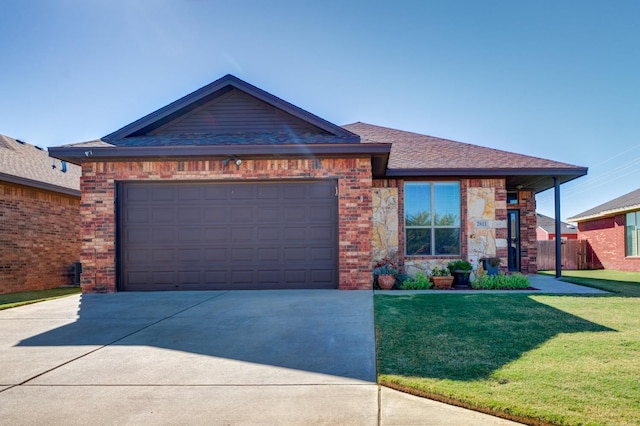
322 253
162 193
239 235
160 256
240 255
138 215
292 233
221 235
216 255
191 235
189 193
320 234
269 215
137 236
269 192
242 214
163 215
242 192
190 214
269 235
216 235
269 254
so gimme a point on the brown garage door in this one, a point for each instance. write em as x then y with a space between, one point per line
240 235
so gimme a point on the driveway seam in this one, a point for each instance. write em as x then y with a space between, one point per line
113 342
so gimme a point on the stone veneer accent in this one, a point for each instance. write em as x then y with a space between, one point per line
486 220
39 238
484 225
384 237
98 185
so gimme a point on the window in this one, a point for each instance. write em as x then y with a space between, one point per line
432 218
512 198
633 234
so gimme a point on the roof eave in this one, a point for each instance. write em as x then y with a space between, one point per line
536 180
39 185
78 155
604 214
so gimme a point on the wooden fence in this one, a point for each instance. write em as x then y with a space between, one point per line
575 255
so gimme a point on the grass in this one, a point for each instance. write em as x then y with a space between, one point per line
538 359
12 300
622 283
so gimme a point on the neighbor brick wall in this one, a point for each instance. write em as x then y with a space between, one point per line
39 238
98 207
606 238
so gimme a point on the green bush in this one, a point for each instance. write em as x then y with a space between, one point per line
501 281
420 281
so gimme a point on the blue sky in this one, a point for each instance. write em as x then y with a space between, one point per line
555 79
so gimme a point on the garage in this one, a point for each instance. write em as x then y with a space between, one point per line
213 235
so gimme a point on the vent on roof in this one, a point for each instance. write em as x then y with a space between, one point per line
20 142
37 147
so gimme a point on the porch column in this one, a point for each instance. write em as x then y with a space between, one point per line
556 189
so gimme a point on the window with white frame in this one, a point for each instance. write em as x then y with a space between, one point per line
432 218
633 234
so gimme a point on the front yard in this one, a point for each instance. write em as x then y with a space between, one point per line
533 358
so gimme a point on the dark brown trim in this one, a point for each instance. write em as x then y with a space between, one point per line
577 172
39 185
77 155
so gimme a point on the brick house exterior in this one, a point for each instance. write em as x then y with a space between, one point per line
610 243
230 133
39 218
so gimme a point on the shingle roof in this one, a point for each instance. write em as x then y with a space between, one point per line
29 165
549 224
627 202
416 151
419 155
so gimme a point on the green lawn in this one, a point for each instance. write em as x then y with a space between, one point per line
26 297
538 359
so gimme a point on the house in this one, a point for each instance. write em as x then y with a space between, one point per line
612 231
39 218
231 187
546 229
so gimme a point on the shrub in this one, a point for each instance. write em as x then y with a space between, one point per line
420 281
501 281
440 272
459 265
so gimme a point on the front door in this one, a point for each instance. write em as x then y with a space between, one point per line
513 225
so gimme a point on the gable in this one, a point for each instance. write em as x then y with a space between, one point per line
229 111
236 112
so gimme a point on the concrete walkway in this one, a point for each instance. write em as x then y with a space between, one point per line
228 358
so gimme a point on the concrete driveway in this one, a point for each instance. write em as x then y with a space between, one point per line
228 358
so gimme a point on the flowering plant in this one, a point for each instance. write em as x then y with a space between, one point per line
386 266
440 272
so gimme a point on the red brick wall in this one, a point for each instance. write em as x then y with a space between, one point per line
606 238
354 204
528 238
39 238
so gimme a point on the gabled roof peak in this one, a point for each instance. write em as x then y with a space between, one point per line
210 92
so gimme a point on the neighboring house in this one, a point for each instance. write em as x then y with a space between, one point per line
546 229
612 230
39 218
231 187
